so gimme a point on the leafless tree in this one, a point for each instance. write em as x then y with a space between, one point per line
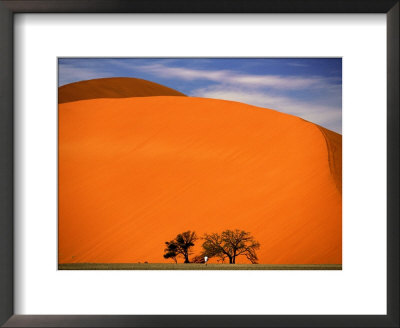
231 244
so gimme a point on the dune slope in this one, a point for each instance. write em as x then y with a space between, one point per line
334 146
115 87
134 172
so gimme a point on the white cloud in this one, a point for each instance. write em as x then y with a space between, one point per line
327 116
235 78
274 81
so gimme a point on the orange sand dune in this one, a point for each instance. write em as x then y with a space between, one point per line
134 172
334 145
115 87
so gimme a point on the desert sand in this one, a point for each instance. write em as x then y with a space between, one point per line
134 172
115 87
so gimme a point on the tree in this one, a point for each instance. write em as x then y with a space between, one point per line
231 244
213 247
180 246
170 251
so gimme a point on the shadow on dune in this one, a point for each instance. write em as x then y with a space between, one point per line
116 87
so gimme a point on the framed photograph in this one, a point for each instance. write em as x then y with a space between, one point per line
237 186
199 164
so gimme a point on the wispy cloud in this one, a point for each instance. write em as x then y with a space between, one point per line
328 116
236 78
297 64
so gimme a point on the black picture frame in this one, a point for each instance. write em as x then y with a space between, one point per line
10 7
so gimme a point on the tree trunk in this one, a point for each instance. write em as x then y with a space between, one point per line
187 258
230 260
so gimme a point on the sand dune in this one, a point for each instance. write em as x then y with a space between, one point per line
134 172
334 145
116 87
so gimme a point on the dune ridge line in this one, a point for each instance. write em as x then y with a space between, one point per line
114 87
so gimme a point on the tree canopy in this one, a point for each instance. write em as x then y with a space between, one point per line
180 246
231 244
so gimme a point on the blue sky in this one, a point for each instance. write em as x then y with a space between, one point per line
310 88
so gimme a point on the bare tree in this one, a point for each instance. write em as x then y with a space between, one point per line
231 244
213 246
180 246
